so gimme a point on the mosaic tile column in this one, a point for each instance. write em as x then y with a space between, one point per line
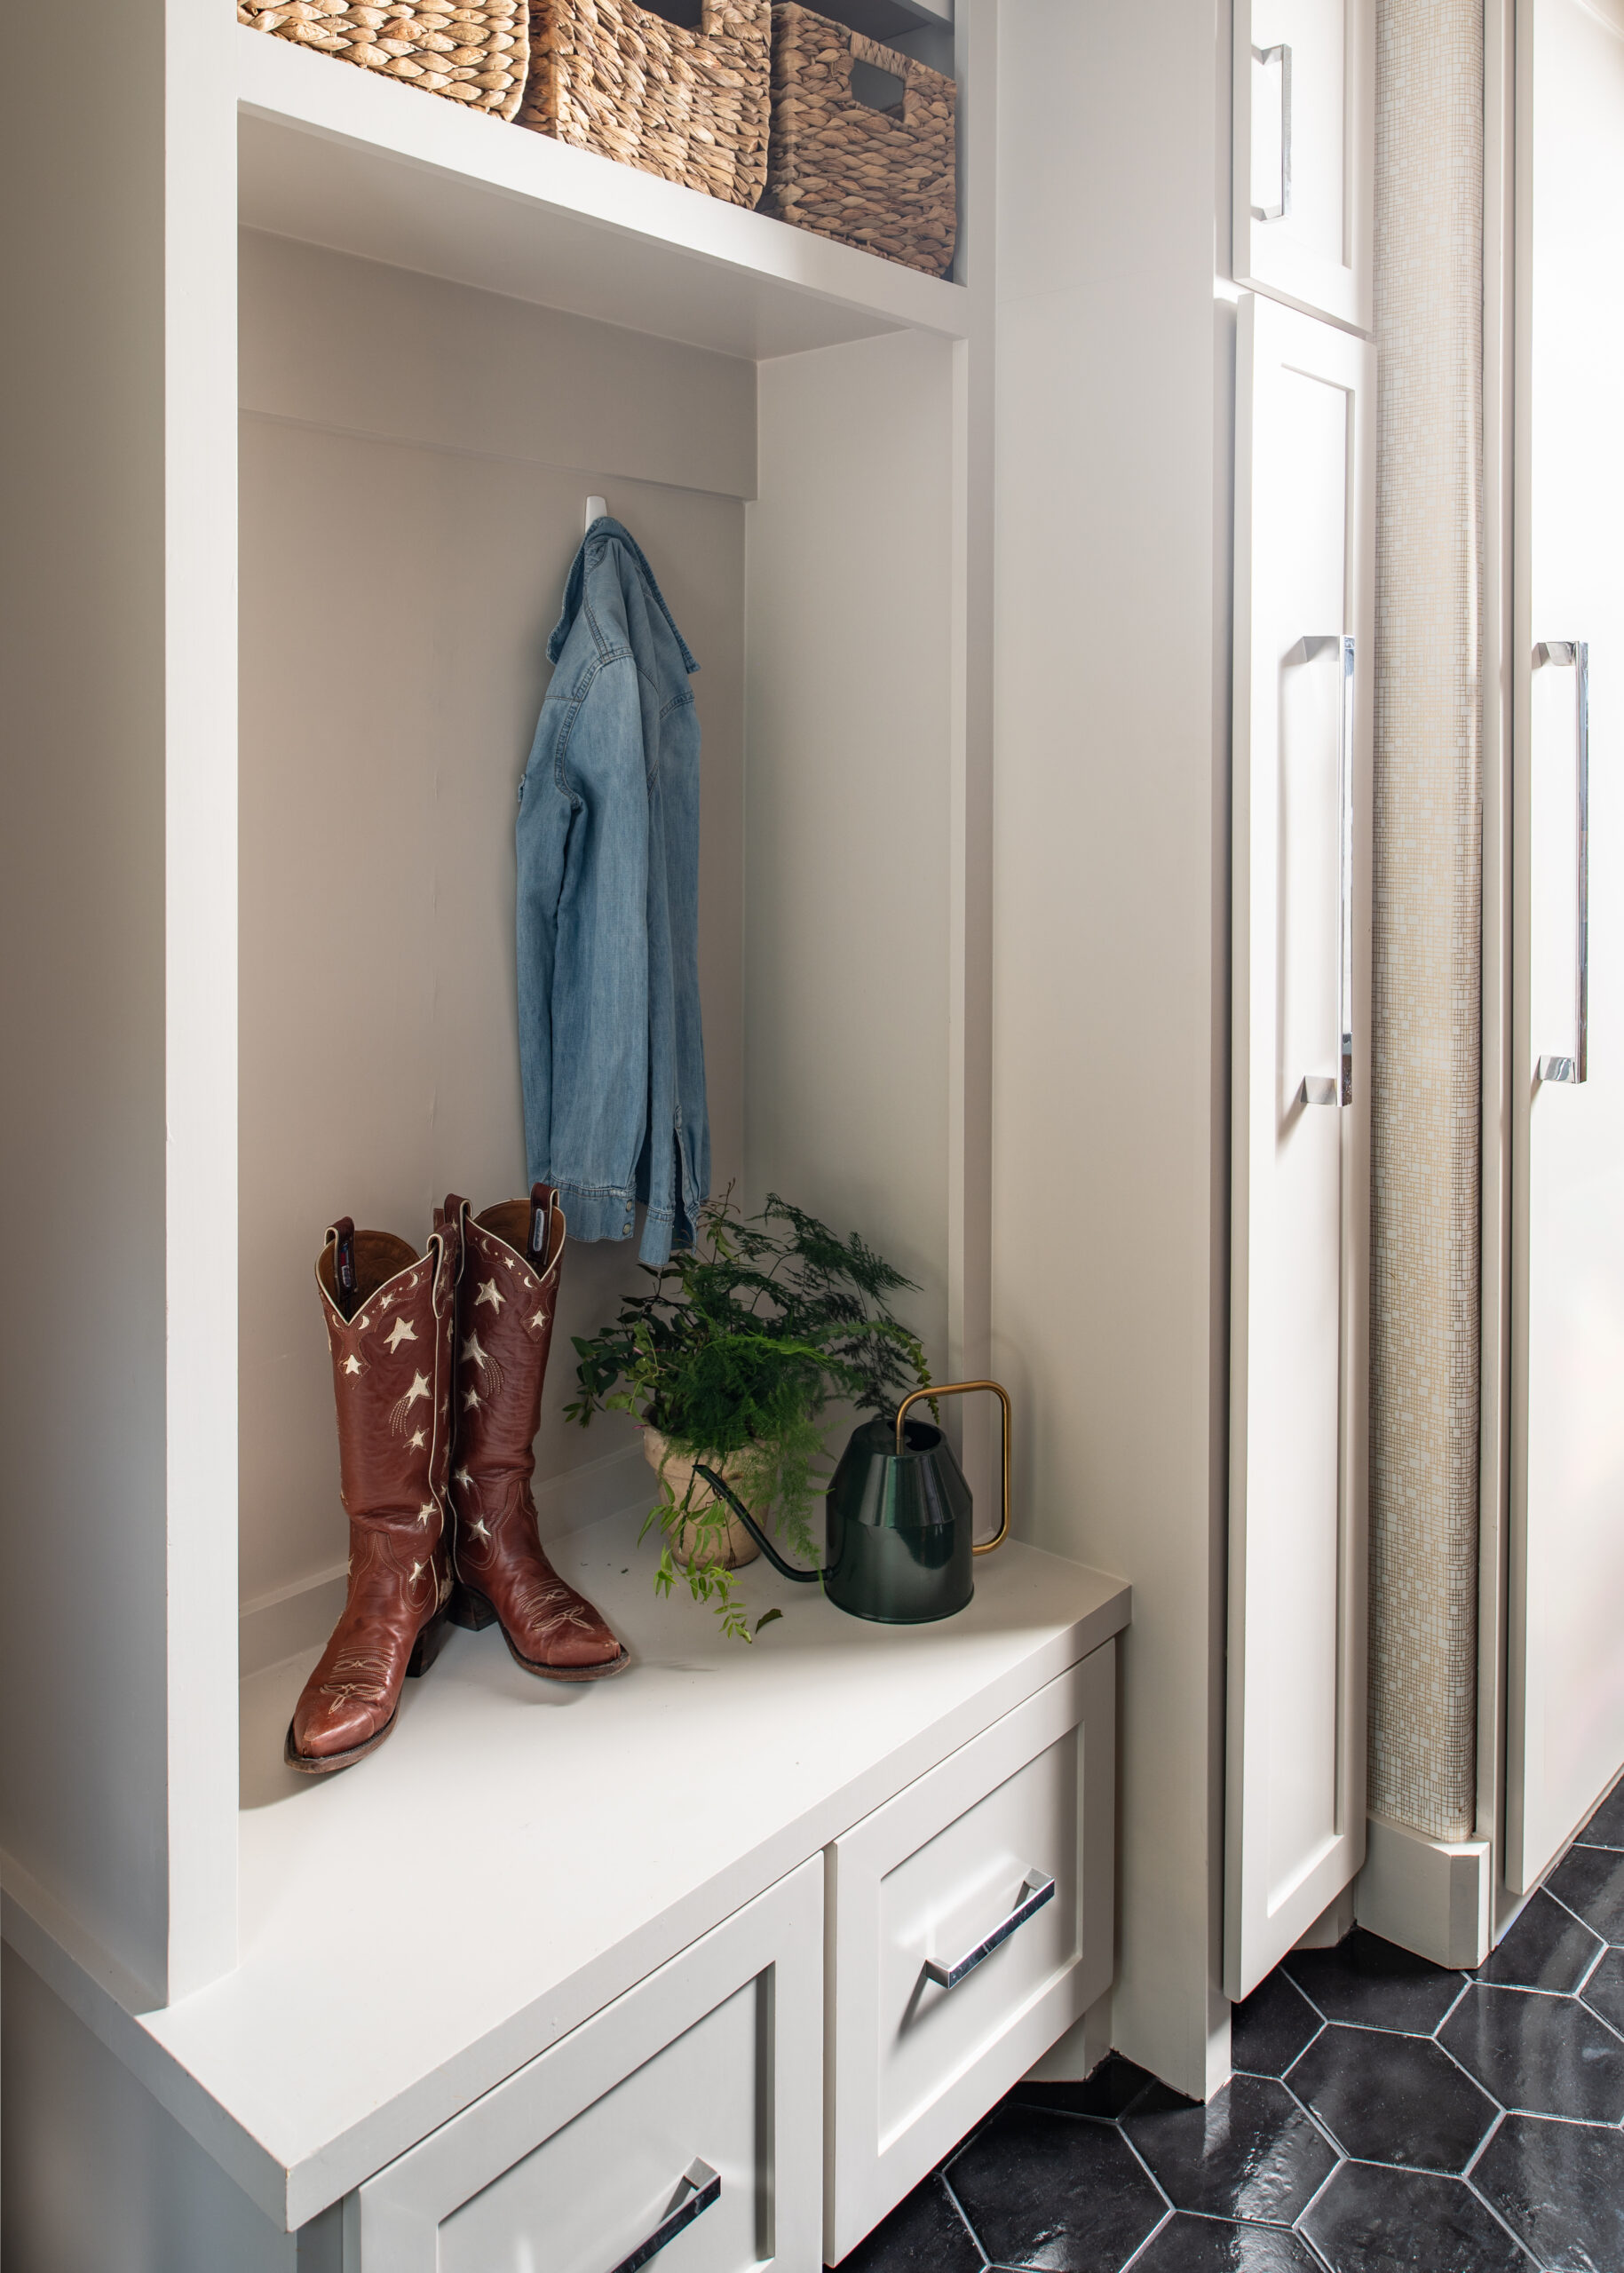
1425 1006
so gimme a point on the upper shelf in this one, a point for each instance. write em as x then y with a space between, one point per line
343 158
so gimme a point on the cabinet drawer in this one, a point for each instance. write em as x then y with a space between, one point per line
912 2061
696 2092
1304 161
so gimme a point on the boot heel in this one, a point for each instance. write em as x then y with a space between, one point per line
427 1647
466 1608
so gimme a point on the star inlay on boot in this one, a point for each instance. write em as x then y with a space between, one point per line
512 1257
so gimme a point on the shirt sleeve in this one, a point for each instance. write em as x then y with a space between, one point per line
546 811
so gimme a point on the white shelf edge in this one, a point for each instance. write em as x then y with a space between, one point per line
314 94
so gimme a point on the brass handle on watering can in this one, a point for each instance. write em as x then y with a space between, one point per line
962 1388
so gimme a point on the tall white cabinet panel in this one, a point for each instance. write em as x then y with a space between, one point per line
1303 605
1565 1687
684 2115
1304 134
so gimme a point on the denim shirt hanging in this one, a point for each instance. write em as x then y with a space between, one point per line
609 1041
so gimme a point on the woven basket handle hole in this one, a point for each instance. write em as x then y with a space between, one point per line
881 91
687 15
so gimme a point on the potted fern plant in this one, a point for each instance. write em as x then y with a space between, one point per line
730 1360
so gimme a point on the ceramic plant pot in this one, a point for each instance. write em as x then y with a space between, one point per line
729 1551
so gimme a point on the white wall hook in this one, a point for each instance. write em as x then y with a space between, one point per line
595 509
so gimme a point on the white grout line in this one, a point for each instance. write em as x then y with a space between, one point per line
1477 2082
1144 2165
1476 2156
1127 2263
1515 2239
1341 2160
1572 2122
1573 1913
1324 2129
963 2220
1324 2019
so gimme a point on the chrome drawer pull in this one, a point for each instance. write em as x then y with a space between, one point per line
1037 1889
1264 56
1574 655
1320 1088
705 2186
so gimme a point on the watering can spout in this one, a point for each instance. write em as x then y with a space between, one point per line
725 1491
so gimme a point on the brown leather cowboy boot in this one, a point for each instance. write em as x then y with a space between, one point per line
391 1315
513 1256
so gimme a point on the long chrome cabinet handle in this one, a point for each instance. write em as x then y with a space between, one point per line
1574 655
1037 1889
1282 56
1319 1089
706 2187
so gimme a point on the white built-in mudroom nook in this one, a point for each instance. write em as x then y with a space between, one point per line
815 1173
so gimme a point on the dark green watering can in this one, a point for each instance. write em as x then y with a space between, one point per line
900 1538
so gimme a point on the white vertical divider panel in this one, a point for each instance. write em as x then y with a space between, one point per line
200 494
119 507
1110 1099
1303 586
1564 1723
1305 127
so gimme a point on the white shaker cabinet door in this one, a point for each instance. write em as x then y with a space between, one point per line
1295 1832
969 1924
681 2122
1305 152
1565 1611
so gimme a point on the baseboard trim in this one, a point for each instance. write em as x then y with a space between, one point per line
288 1621
1431 1896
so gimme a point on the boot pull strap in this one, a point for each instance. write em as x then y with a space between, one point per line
343 1235
452 1218
543 1205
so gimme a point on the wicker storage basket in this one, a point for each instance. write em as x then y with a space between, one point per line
477 55
884 179
612 76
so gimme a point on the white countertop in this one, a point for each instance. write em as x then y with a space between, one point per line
521 1851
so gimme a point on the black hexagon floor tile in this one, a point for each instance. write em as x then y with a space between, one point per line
1274 2024
923 2234
1605 1828
1112 2088
1560 2188
1393 2099
1375 2221
1250 2152
1538 2055
1056 2193
1546 1948
1590 1881
1371 1983
1604 1992
1187 2245
1402 2163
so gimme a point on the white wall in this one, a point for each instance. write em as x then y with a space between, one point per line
1109 1104
847 801
431 449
